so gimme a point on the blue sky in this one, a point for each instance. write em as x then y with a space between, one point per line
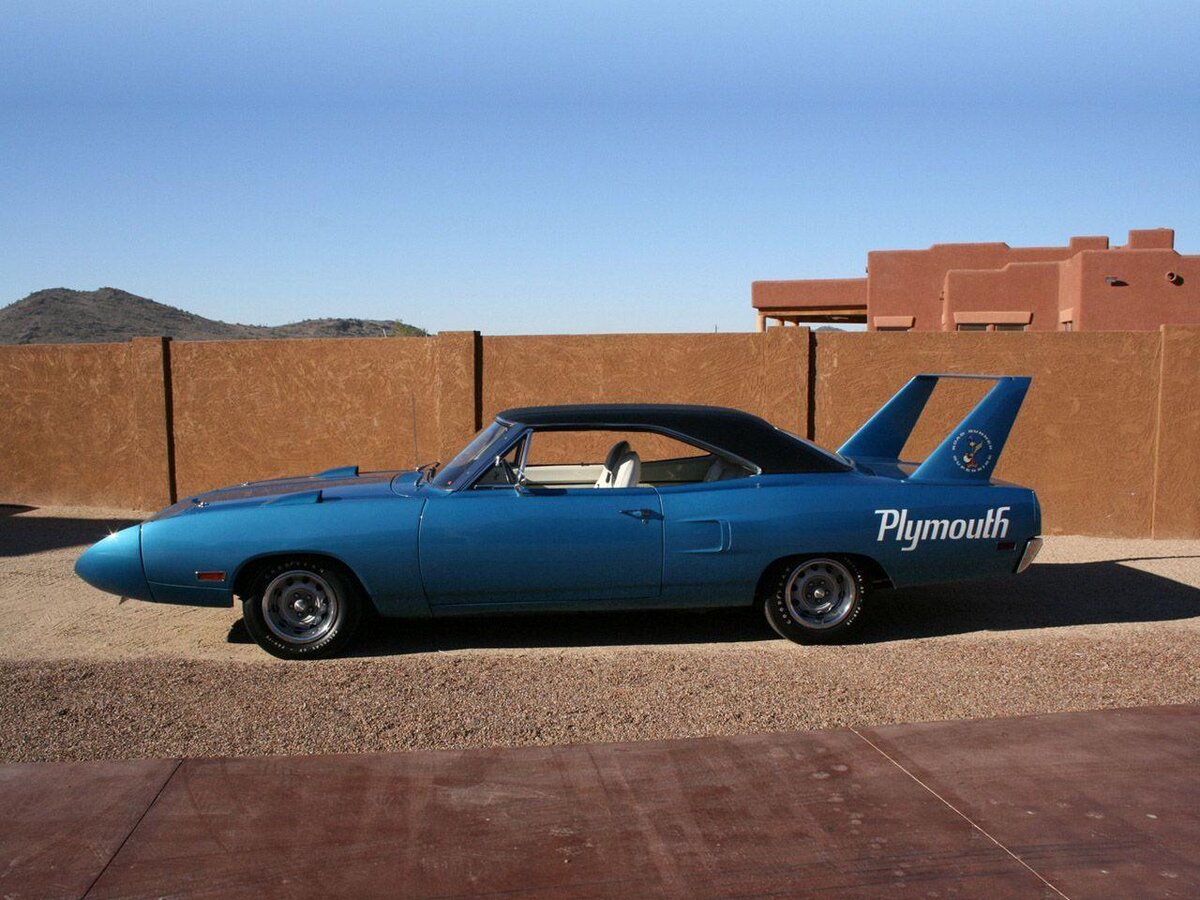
547 168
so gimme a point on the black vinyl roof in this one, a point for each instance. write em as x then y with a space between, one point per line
738 433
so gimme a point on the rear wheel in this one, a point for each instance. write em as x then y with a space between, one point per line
302 609
816 600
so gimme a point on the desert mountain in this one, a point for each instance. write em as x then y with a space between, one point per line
62 316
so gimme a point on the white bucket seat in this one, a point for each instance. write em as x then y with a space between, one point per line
622 467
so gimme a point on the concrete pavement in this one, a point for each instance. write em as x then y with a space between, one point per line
1076 804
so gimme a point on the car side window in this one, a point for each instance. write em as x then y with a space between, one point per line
618 459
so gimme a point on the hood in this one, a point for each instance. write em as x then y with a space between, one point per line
344 483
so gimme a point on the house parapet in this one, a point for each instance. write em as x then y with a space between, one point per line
923 290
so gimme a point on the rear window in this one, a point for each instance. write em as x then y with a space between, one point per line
838 461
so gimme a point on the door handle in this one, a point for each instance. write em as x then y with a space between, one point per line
644 515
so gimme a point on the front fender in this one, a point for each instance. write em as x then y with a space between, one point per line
376 539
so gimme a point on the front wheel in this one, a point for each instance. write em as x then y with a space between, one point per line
302 609
816 600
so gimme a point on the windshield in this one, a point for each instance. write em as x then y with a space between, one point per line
484 445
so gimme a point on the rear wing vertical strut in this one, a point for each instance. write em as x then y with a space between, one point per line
968 453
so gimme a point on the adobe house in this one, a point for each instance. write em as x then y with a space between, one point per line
1084 286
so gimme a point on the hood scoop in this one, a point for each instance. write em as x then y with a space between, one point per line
295 498
340 472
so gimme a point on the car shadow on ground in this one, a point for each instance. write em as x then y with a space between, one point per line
387 637
1047 596
21 535
548 630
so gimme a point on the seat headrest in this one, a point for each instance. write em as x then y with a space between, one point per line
619 449
628 472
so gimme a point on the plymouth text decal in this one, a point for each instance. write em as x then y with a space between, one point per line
912 531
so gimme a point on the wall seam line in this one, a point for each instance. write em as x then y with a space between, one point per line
169 416
811 423
1158 419
478 386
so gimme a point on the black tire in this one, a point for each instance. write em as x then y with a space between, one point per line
799 619
312 613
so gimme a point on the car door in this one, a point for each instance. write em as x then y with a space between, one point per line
542 546
720 535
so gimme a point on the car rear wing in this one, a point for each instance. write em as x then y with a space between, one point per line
968 453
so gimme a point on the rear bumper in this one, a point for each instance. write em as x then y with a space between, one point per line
1032 547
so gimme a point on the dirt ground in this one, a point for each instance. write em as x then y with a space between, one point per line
1095 623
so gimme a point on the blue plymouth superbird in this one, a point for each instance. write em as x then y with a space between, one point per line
690 507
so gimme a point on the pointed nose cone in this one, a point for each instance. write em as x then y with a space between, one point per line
115 565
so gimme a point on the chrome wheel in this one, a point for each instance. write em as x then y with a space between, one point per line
300 607
820 593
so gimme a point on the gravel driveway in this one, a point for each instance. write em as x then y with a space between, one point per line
1095 623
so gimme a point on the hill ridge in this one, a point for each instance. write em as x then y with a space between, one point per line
69 316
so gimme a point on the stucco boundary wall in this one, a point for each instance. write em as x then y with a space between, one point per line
85 424
1109 435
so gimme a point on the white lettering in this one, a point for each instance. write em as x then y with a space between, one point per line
891 518
935 529
910 532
